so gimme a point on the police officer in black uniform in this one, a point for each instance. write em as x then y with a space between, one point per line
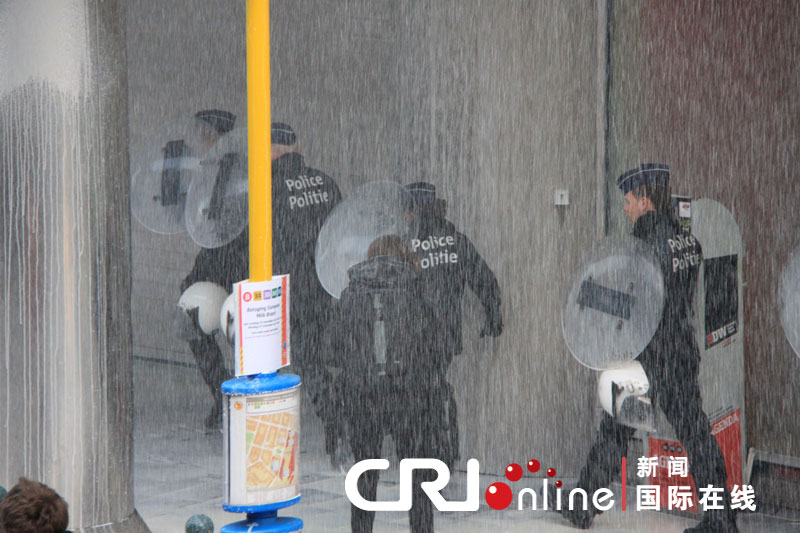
384 337
302 197
671 360
450 263
224 266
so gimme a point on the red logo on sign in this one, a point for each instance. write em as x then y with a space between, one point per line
247 297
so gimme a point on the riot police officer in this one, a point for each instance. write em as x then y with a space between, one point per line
302 197
671 360
449 263
223 266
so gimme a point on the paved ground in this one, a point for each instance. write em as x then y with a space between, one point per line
178 472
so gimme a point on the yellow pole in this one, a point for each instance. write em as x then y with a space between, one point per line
259 140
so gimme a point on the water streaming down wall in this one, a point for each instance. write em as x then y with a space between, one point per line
496 103
65 367
495 106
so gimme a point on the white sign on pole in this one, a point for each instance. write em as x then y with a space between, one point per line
262 318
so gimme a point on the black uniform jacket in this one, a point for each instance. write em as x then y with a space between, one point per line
302 198
673 352
449 263
224 266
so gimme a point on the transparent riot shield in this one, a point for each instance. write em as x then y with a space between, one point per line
374 209
789 300
161 174
216 203
615 303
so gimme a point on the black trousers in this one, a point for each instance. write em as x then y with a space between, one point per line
307 362
305 347
416 421
211 364
677 393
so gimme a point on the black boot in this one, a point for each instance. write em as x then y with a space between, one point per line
337 446
214 419
212 368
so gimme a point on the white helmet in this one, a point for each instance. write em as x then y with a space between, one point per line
227 320
623 395
207 298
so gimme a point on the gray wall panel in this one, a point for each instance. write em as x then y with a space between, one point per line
492 102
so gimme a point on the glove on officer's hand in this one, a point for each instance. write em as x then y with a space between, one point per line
492 328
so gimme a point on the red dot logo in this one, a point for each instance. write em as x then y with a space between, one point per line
514 472
247 297
498 496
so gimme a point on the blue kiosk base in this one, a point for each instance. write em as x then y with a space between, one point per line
266 522
260 518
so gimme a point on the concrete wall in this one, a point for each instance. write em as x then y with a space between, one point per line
496 108
65 365
493 102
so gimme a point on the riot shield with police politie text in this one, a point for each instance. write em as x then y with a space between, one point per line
615 303
374 209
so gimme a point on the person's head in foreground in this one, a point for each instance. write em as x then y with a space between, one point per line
33 507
